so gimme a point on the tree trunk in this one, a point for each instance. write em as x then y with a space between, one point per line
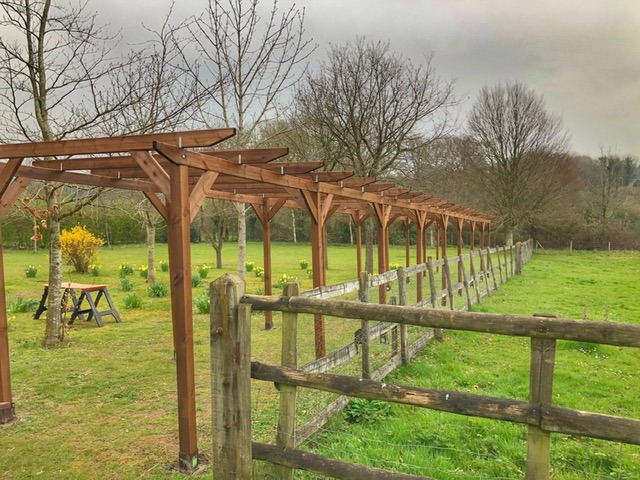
54 331
242 238
151 248
368 234
293 225
350 231
218 250
508 236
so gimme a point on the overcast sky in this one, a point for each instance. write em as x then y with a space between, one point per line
582 55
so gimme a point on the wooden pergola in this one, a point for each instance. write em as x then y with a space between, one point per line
177 172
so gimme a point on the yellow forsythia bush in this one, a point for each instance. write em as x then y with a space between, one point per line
80 248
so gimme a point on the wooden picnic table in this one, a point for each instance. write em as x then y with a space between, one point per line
86 292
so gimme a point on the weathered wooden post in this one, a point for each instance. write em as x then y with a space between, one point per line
543 353
483 271
474 276
286 434
447 276
404 338
465 280
506 263
519 258
499 264
491 269
230 380
511 260
571 247
432 282
363 296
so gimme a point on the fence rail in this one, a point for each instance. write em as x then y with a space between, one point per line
538 413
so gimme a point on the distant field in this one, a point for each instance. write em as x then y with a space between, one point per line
104 405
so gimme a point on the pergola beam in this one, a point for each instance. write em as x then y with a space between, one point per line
125 143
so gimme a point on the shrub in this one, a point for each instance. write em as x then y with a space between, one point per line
94 270
394 266
259 271
164 266
80 248
132 300
125 269
202 302
143 271
203 270
361 410
303 264
196 281
249 266
22 305
158 289
126 284
31 271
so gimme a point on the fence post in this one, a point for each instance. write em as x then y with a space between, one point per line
432 282
286 434
404 338
543 353
394 331
474 276
511 259
519 259
465 280
447 274
506 263
230 379
363 296
491 269
499 264
483 270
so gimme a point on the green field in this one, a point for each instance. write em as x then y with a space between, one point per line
587 377
104 405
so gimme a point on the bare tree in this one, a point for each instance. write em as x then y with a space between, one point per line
247 64
215 223
615 174
369 106
53 61
167 97
523 149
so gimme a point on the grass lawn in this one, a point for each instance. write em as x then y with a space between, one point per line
588 377
104 405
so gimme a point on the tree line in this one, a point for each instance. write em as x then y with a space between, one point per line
246 64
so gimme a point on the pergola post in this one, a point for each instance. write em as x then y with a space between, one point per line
383 213
407 242
182 314
318 208
483 227
265 213
459 227
472 241
421 219
444 219
358 218
7 412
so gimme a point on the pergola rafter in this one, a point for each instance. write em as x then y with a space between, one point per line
176 179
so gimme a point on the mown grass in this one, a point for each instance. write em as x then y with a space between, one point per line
588 377
103 406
